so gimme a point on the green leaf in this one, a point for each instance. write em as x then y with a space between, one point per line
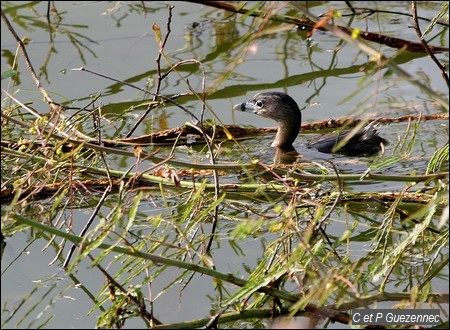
9 73
157 31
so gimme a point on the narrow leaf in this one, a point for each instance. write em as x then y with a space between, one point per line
157 31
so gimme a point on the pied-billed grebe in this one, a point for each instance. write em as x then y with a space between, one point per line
282 108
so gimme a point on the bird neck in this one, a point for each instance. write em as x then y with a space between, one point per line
286 135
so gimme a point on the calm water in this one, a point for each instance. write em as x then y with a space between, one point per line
117 39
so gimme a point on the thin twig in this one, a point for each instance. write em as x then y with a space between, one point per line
331 209
33 74
141 307
88 223
370 11
165 98
425 44
160 78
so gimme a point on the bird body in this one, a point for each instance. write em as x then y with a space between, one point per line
284 110
364 142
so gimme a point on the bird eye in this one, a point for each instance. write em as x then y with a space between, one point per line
259 104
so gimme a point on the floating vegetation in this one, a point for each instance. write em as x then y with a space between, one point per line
200 210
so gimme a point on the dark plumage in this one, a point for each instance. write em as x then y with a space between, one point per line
282 108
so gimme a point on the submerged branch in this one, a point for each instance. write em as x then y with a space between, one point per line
303 22
149 180
184 133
